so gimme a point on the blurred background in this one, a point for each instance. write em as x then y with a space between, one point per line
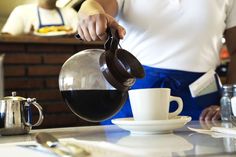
7 6
30 65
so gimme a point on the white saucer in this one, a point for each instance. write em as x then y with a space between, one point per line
151 127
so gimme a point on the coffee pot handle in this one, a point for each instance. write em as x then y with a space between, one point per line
40 109
119 66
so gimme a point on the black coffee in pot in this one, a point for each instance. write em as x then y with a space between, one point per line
94 105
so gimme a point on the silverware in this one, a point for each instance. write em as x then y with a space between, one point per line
64 150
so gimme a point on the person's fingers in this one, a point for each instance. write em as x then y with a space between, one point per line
94 27
216 116
121 31
81 22
92 31
87 36
114 24
101 27
203 124
204 114
80 33
209 123
210 113
83 27
215 110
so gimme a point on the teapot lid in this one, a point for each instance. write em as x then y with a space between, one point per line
14 97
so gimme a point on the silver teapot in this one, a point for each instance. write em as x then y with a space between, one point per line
16 116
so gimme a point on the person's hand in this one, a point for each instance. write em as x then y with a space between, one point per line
210 113
209 124
93 22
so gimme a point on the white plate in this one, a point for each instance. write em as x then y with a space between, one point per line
151 127
51 34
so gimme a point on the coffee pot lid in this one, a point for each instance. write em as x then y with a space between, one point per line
14 97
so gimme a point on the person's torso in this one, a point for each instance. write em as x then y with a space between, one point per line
49 17
39 17
175 34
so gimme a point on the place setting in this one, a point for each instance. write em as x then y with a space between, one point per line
150 108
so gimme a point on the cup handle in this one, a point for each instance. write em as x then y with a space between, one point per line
180 106
40 109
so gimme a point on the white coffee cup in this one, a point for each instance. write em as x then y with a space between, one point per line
153 104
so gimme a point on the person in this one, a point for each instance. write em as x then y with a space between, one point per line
31 17
177 41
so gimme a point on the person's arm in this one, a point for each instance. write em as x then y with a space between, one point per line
95 16
109 6
230 37
213 112
14 24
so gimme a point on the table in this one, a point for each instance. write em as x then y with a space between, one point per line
182 142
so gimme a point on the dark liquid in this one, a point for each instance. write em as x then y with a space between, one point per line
2 120
95 105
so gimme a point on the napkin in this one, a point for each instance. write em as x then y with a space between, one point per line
96 149
24 151
224 130
217 132
206 84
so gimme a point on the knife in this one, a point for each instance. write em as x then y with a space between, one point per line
52 143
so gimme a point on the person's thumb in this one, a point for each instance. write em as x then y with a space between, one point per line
112 23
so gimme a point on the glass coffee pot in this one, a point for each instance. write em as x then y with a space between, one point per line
94 82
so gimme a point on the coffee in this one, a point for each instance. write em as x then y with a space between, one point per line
94 105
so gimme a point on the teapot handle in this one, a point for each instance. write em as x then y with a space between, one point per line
40 109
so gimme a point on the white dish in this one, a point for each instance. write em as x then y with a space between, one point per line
151 127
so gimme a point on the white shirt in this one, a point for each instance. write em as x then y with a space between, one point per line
23 17
176 34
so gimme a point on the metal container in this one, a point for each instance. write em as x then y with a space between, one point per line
225 102
16 116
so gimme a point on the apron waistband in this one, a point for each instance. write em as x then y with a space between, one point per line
167 78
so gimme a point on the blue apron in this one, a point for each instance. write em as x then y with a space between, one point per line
40 20
178 82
